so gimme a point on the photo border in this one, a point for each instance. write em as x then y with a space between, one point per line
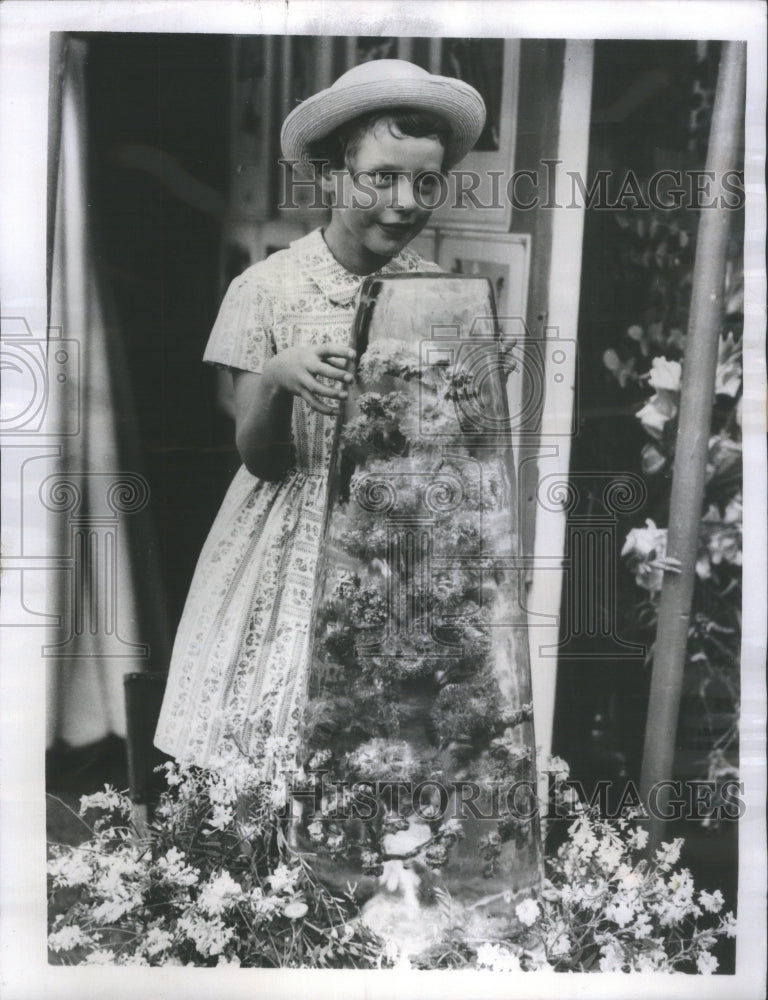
24 38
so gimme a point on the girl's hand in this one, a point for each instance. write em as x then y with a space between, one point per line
296 370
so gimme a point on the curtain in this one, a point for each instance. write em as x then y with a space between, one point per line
106 595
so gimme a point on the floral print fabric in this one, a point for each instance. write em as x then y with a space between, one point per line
238 674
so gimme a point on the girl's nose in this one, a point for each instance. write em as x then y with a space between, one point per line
405 200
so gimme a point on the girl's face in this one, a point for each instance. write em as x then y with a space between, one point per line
383 198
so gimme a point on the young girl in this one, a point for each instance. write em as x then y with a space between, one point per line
238 674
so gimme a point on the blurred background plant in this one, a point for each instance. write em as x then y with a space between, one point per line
646 364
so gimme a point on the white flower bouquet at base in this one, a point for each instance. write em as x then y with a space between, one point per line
213 881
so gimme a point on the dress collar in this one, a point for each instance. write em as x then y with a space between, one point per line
337 284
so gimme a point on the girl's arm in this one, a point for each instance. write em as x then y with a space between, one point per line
264 402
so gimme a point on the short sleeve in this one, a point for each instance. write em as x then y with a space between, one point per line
242 334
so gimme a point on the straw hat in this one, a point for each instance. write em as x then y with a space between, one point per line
381 84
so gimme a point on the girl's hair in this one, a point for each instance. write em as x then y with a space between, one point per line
335 151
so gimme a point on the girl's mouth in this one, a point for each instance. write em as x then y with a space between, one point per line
395 228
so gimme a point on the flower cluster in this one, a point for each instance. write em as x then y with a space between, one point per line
645 548
211 881
605 906
664 378
173 894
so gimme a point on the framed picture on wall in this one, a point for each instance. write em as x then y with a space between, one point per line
504 259
476 190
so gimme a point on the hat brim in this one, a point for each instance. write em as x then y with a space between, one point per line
457 102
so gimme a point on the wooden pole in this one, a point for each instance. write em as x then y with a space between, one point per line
697 396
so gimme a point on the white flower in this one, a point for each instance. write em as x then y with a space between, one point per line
651 960
583 837
671 910
644 543
712 902
319 758
221 817
173 773
132 959
734 511
656 413
591 894
676 901
669 854
628 878
452 827
173 867
278 794
316 831
637 839
609 853
665 374
557 940
108 801
222 793
70 869
644 548
283 878
492 956
115 907
641 928
486 954
728 925
528 912
706 963
621 910
729 367
621 370
219 894
558 768
101 956
681 884
211 937
157 940
265 906
612 957
652 459
66 938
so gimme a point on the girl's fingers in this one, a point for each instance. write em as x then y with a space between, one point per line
312 385
335 350
330 372
338 362
316 404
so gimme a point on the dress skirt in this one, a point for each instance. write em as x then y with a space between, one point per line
247 621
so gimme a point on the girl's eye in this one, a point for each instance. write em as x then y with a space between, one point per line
427 183
383 178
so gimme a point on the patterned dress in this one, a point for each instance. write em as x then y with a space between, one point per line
238 674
